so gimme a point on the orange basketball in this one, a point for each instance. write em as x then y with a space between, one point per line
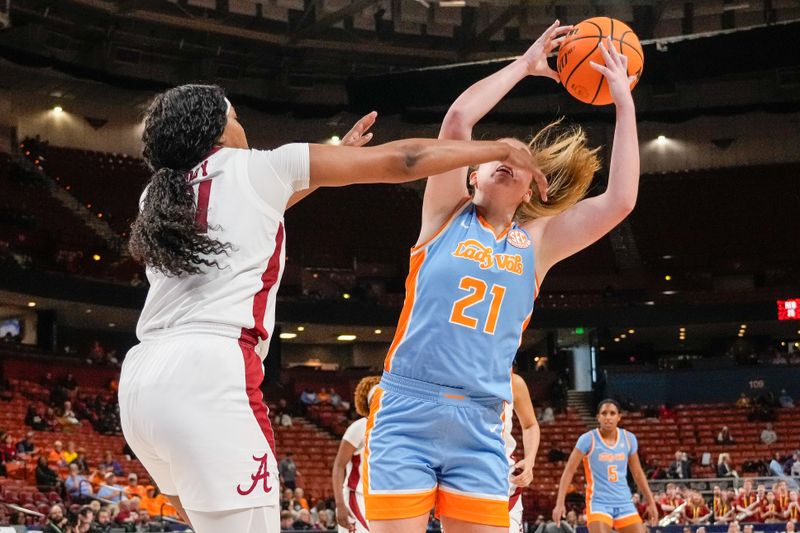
581 80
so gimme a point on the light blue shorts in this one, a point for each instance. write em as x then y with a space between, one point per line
429 445
616 515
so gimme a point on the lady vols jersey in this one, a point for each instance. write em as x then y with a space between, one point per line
435 430
190 402
608 497
353 488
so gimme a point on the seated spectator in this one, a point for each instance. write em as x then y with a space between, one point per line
102 521
303 522
655 471
771 511
680 468
768 435
46 478
336 399
124 515
785 400
133 488
77 486
665 412
744 401
308 397
792 510
80 460
69 454
790 527
97 353
68 417
143 520
54 455
8 450
327 519
69 382
283 415
725 509
669 501
299 497
109 490
98 477
324 397
724 436
26 447
112 464
696 511
34 418
724 466
548 417
287 520
56 521
747 503
84 520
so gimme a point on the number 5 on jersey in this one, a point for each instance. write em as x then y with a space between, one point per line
612 473
477 293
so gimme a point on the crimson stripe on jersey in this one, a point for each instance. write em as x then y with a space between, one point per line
253 376
201 215
355 472
356 511
268 280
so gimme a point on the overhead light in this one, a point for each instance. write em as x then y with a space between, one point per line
88 311
301 328
616 339
742 335
535 359
668 277
649 302
682 329
346 296
288 335
623 336
378 332
666 256
335 139
112 325
661 139
33 304
631 331
669 293
424 3
96 257
743 326
452 3
735 7
602 348
346 338
58 109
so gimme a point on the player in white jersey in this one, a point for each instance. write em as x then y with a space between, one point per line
348 490
522 471
210 232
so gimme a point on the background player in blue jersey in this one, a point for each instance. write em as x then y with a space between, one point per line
607 453
434 435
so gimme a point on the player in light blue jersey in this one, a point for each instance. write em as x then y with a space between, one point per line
434 434
607 453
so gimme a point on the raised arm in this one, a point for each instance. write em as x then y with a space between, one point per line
566 478
444 192
531 433
405 160
565 234
343 515
635 467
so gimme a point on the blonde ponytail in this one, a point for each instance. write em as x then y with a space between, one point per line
568 163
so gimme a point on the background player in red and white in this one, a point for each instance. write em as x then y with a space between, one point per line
210 232
522 471
348 490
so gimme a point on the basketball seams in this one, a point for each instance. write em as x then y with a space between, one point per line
599 40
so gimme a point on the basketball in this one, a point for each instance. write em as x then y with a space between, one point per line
581 46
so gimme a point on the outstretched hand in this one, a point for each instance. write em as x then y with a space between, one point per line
359 134
615 71
536 56
522 158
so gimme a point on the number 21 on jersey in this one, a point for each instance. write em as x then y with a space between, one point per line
477 289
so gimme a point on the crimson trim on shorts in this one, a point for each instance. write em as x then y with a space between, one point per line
253 367
355 472
356 511
512 501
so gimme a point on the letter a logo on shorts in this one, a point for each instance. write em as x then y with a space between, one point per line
262 473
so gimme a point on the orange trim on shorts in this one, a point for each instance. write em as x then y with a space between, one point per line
472 509
626 521
374 407
454 396
408 306
599 517
397 506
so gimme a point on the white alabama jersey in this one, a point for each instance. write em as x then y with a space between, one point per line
355 435
508 438
241 196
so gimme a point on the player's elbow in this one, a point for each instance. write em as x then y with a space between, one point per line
455 125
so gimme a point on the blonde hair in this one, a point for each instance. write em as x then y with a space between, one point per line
569 165
361 393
